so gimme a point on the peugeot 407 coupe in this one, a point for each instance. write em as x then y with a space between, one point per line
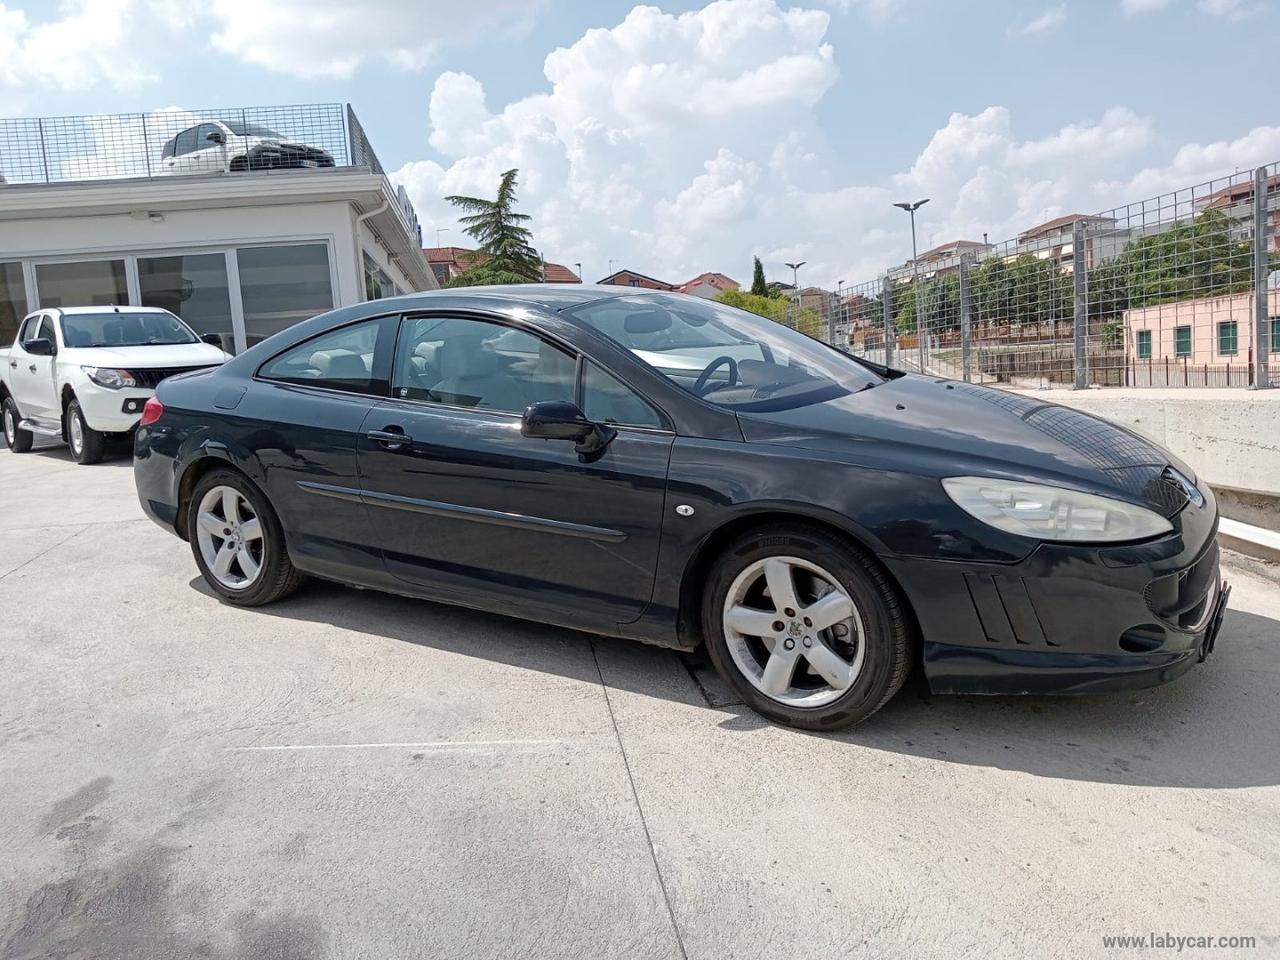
672 470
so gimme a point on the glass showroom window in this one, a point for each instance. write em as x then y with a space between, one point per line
282 285
85 283
13 301
192 286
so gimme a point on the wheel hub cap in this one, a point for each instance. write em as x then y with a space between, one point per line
230 537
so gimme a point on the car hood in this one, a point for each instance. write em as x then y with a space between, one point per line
949 428
152 355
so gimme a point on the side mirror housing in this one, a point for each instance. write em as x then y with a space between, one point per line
213 339
562 420
216 137
39 347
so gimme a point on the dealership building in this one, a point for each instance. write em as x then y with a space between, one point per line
254 234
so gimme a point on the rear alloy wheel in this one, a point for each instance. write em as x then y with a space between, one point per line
805 627
237 541
87 445
15 438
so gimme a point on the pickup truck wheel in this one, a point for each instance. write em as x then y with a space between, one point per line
15 438
87 445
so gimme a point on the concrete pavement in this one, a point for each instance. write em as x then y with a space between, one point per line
347 774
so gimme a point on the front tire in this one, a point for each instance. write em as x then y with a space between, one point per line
238 542
15 438
806 627
87 445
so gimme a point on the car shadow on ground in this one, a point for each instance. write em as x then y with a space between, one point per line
118 453
1216 726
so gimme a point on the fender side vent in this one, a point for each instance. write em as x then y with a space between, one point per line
1005 610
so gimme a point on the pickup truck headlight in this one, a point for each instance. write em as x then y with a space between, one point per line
110 377
1050 513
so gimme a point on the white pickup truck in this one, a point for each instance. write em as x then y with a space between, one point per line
83 374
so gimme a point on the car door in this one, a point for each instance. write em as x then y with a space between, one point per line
184 144
468 509
208 156
32 374
300 423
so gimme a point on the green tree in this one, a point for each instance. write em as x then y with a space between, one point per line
485 275
758 287
1195 258
500 232
805 319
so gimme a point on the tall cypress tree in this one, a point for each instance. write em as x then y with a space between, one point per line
757 279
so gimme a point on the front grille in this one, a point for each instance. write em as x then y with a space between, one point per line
150 377
1180 597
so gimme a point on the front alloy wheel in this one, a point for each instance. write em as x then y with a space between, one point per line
805 625
794 632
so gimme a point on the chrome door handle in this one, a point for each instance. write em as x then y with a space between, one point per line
390 439
32 368
13 364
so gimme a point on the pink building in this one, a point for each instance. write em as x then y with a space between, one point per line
1209 330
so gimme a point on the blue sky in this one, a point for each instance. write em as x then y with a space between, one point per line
1002 111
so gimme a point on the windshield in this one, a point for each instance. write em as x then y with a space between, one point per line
124 329
730 357
252 130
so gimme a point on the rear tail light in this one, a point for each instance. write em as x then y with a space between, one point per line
151 412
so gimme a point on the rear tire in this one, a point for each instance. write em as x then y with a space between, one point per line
237 541
15 438
830 652
87 445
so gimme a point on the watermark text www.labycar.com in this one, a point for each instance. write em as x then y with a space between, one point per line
1176 943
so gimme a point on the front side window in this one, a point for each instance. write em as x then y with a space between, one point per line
463 362
122 328
1182 341
185 142
341 359
45 331
727 356
29 327
606 399
1144 344
1228 344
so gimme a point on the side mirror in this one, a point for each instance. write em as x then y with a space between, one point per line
561 420
216 137
213 339
39 347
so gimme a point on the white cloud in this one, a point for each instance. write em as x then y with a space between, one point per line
88 43
1047 22
1133 7
1231 9
678 144
334 37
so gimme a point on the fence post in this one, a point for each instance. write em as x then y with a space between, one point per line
1080 281
1261 313
44 154
886 298
146 145
966 321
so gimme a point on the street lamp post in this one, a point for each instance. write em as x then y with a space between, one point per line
579 266
795 283
911 208
440 230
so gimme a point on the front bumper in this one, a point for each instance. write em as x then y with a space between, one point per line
1071 619
111 411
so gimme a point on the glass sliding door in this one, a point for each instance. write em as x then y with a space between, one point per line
194 286
282 285
13 301
84 283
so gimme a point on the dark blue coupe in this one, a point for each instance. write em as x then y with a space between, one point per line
676 471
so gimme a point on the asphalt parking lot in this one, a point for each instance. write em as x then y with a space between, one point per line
347 774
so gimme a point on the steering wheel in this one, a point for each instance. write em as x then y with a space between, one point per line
711 368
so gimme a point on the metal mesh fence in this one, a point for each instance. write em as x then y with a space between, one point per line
174 141
1179 290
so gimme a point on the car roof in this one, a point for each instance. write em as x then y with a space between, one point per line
124 308
549 296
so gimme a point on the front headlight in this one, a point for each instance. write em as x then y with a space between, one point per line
110 377
1052 513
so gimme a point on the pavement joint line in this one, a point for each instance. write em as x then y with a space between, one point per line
433 746
635 795
67 539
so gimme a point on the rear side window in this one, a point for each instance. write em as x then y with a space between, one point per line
342 359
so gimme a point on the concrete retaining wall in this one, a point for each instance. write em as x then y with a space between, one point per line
1231 438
